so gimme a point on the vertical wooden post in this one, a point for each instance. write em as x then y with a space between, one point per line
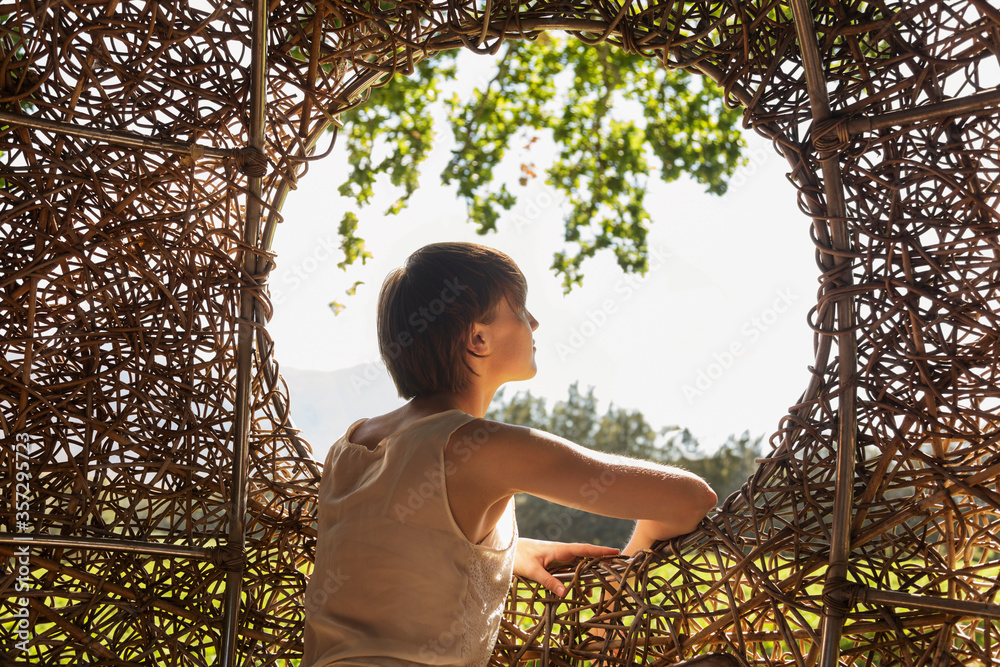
847 349
245 338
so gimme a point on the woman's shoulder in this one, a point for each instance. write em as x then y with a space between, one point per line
499 445
483 430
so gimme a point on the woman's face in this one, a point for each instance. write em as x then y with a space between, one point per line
513 353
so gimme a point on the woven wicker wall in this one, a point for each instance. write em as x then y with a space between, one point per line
147 148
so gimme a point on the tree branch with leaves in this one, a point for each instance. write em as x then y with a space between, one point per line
616 119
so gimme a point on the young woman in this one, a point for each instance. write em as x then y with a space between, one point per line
417 540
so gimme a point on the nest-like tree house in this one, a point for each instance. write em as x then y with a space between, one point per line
158 510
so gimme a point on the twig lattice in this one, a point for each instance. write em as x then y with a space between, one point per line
147 149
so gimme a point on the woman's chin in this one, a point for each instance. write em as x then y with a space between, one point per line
527 375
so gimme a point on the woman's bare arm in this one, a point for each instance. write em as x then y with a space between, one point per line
493 461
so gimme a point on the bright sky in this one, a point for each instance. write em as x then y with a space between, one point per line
713 338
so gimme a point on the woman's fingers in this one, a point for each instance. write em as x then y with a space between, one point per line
545 578
555 586
567 552
593 550
534 556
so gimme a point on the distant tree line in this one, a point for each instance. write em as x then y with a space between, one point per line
618 431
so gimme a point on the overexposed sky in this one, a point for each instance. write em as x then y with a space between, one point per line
713 338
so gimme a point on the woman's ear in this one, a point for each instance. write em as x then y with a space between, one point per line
480 340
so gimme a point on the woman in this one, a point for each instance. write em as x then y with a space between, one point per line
417 539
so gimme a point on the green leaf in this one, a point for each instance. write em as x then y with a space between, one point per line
352 245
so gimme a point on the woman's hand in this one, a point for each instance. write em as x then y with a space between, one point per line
533 557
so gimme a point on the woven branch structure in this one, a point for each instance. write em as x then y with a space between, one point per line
148 454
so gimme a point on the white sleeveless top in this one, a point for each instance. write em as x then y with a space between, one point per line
396 581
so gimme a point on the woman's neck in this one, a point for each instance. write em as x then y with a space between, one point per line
474 400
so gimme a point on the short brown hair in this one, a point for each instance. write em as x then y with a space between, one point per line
427 308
